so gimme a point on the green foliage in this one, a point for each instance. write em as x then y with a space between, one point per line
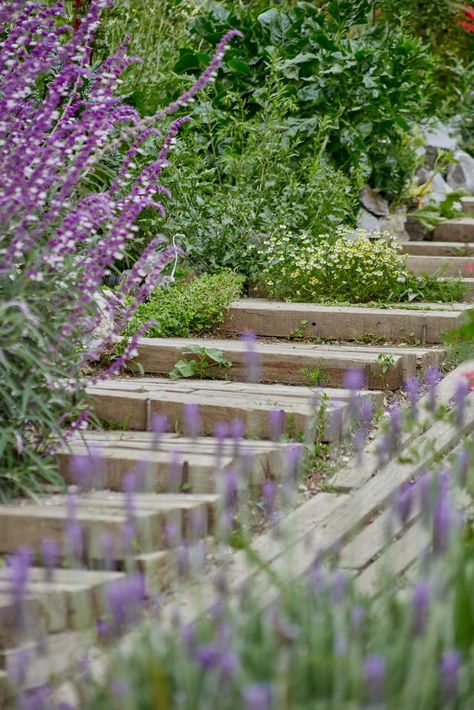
345 267
203 366
362 80
187 308
385 362
239 178
431 214
35 402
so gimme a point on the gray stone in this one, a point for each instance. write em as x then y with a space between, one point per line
461 175
440 136
439 190
395 224
373 202
368 222
415 230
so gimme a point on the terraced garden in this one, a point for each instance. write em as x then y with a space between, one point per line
236 443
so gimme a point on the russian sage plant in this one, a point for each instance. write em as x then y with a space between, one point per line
66 219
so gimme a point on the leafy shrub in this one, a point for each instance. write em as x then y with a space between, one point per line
187 308
345 266
61 234
363 79
255 181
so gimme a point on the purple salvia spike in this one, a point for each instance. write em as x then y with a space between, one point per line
257 696
276 423
251 357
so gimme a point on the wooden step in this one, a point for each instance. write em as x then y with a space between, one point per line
438 248
70 599
200 463
455 230
355 475
97 514
285 363
135 410
468 204
277 319
448 266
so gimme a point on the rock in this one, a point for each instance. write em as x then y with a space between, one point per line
395 224
368 222
439 190
440 136
108 303
373 202
415 230
461 175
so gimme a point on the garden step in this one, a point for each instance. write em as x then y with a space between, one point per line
132 405
278 319
69 599
355 475
197 463
286 363
98 514
455 230
448 266
468 204
438 248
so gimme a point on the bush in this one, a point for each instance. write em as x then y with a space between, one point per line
66 221
187 308
256 181
345 267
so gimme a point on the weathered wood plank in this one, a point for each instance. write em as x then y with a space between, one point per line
355 474
438 248
452 266
455 230
283 363
467 204
271 318
115 406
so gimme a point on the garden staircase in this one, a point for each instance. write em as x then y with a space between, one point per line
303 351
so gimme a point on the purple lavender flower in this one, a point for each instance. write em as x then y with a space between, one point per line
413 389
404 502
450 667
257 696
192 420
420 602
354 379
276 423
459 399
18 566
50 555
269 491
125 599
159 426
374 673
87 470
358 615
432 377
251 357
462 465
339 587
443 520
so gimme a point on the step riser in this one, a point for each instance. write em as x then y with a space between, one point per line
115 408
427 249
468 205
159 358
267 320
456 267
461 230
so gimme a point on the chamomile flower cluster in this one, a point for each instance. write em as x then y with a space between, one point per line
345 266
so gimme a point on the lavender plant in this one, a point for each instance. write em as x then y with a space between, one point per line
64 225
